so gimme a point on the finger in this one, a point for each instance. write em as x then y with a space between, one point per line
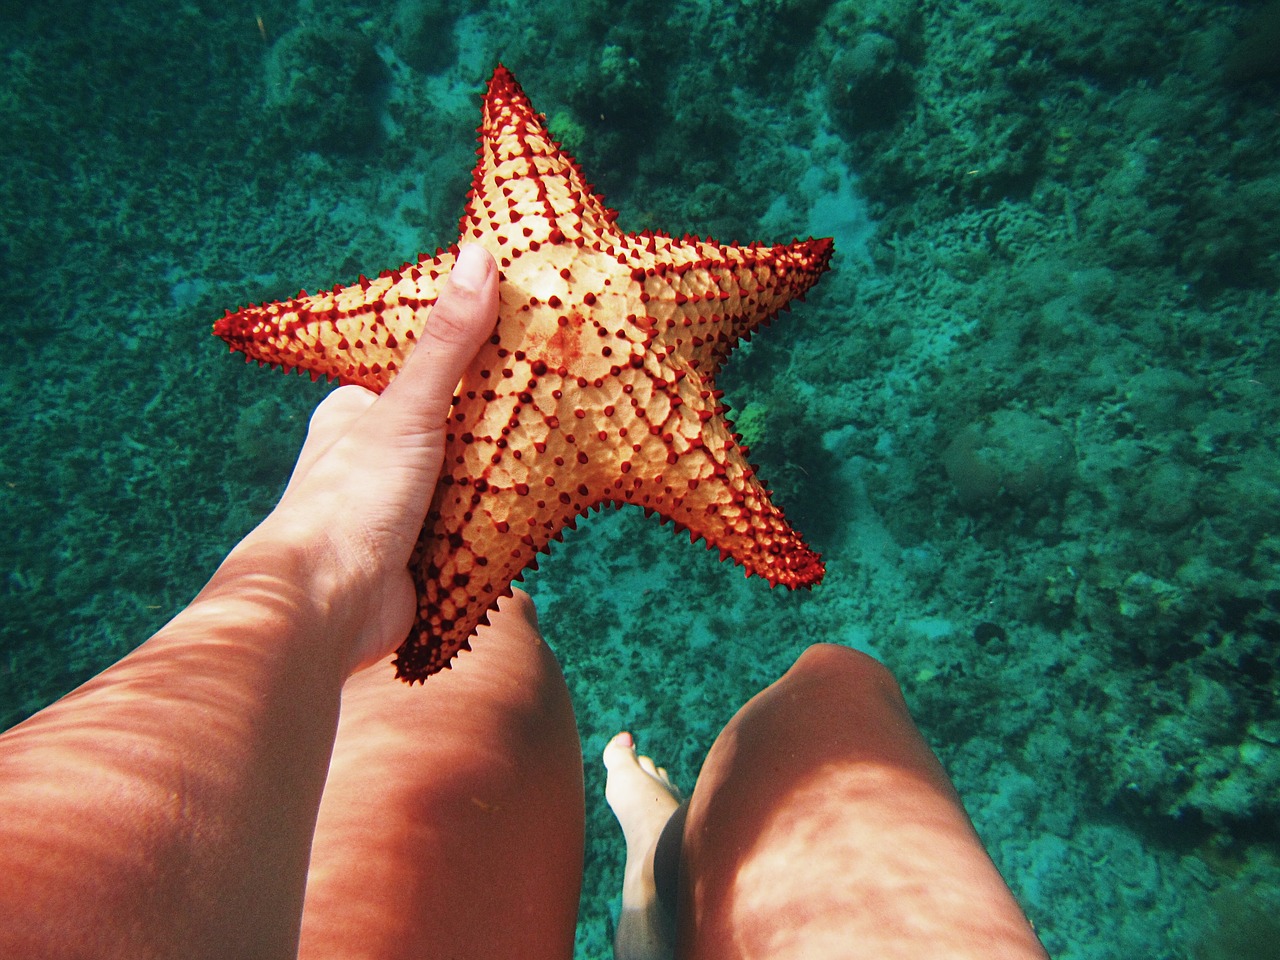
336 413
331 419
459 322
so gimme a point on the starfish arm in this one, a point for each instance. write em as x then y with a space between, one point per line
526 190
688 467
733 513
706 297
521 465
359 333
515 475
473 546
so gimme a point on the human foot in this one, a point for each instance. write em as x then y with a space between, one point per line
643 799
639 792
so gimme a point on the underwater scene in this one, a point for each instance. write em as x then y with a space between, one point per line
1029 416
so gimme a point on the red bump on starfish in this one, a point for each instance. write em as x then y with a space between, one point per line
597 388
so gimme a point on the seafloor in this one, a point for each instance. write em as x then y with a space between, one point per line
1029 417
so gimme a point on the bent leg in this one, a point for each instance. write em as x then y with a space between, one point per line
452 818
822 825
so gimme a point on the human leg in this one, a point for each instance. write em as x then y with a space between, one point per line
649 811
822 826
452 819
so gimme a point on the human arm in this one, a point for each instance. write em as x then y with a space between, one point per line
166 807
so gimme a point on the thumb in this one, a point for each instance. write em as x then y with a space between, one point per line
461 319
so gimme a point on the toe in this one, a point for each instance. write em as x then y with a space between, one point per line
619 748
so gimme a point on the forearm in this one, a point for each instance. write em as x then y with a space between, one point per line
166 807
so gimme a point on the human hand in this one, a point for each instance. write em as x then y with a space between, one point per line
368 469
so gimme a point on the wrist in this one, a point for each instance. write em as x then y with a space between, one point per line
278 580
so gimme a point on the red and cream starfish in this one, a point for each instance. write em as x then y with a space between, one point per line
597 387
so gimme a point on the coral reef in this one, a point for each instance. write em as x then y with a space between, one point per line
1074 241
1011 455
321 88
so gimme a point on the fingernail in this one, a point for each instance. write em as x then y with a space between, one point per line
471 268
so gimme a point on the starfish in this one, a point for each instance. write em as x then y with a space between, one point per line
597 387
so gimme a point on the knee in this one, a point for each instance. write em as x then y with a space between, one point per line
831 661
831 680
520 605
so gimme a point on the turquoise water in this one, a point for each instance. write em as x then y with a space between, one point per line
1029 416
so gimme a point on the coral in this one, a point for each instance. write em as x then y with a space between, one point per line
1012 456
1256 55
1204 746
1244 924
872 51
1233 232
767 33
1108 41
1166 495
322 88
422 33
568 130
